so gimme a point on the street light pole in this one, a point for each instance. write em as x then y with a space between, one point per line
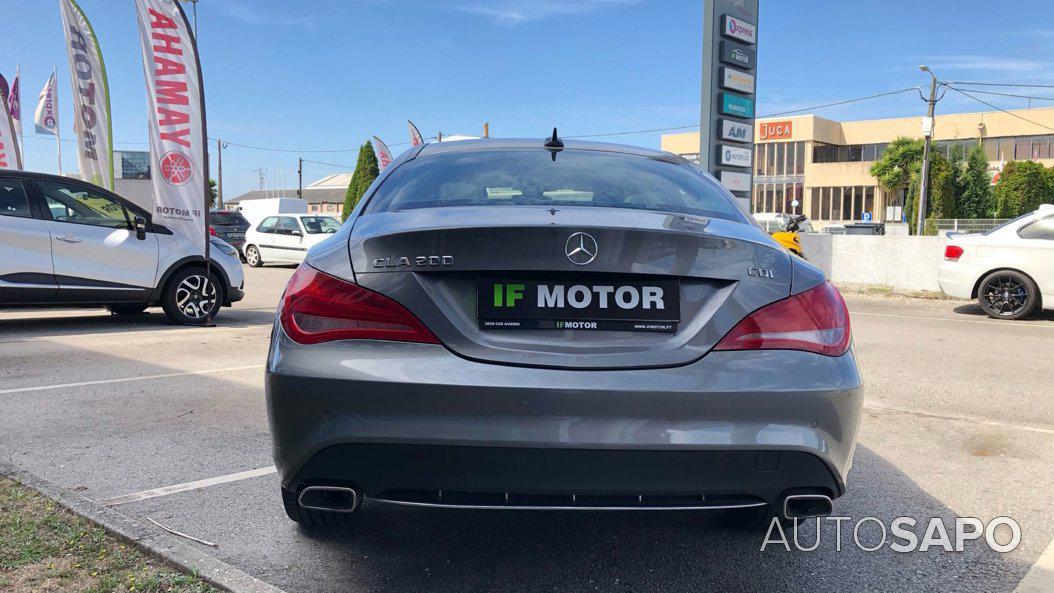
927 130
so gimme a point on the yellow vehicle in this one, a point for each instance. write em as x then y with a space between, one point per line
784 229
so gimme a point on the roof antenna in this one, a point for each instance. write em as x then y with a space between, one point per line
554 145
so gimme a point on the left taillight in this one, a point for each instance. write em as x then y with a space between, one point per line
816 320
317 307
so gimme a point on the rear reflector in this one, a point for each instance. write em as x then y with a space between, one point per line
953 252
317 307
816 320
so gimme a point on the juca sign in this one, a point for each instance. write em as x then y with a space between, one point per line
775 130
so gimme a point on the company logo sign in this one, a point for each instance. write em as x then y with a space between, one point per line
736 131
738 106
176 168
739 29
736 80
776 130
581 248
737 55
734 156
734 181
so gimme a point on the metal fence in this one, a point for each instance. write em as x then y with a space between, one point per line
966 225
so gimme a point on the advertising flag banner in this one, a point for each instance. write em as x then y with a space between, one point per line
10 157
14 101
91 97
415 134
384 156
176 120
46 117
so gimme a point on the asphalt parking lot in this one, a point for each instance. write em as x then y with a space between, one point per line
959 421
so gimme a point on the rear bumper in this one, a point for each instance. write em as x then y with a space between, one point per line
957 279
415 419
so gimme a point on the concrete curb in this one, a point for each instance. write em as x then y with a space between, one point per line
155 542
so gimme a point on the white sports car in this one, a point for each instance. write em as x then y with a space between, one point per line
1009 269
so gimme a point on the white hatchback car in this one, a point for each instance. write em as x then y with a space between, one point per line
1009 269
69 243
285 238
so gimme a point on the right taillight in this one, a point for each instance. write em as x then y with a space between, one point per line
317 307
953 252
816 320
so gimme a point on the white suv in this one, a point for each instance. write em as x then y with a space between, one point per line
69 243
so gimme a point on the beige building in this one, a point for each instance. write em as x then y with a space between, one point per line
824 164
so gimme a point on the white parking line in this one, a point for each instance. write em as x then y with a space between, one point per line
1040 578
934 318
958 417
185 486
128 379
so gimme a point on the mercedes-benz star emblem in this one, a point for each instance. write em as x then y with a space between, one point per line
581 248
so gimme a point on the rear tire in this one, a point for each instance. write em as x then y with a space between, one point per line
311 517
189 300
126 309
1007 294
252 256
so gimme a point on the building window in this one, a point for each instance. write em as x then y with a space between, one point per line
135 165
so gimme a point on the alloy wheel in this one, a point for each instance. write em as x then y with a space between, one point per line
1005 295
196 296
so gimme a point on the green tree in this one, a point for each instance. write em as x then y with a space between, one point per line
213 195
366 170
1022 187
974 187
940 201
894 169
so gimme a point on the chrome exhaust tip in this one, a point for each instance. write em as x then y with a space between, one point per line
335 499
807 506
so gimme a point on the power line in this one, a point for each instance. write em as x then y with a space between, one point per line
330 164
1011 113
1008 94
1034 86
836 103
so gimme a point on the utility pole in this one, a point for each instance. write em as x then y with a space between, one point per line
927 132
300 178
219 173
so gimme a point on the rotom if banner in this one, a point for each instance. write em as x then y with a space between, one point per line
91 97
176 119
415 135
384 156
14 101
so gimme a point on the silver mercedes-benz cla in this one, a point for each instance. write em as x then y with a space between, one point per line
539 325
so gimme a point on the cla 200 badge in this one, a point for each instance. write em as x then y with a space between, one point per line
419 261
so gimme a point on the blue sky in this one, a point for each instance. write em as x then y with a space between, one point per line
327 74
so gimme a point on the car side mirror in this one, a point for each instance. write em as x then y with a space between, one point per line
140 228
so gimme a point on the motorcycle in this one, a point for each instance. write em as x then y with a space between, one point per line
788 236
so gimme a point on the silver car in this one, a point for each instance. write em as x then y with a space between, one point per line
531 324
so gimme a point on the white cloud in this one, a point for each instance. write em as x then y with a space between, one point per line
510 13
252 14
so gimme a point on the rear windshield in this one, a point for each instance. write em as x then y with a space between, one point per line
529 177
227 218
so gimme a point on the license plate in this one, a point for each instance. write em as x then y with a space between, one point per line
236 235
617 305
